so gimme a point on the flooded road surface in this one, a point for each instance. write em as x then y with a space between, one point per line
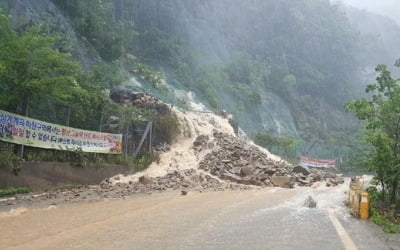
258 219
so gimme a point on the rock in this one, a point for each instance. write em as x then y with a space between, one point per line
231 177
282 181
270 171
300 169
340 179
246 171
316 185
305 182
267 183
263 177
184 192
201 140
333 181
51 207
162 148
243 162
310 202
145 180
315 177
140 100
248 181
236 153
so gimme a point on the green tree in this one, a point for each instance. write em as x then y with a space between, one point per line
382 116
278 144
35 76
30 67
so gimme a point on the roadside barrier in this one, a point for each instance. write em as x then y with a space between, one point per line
358 199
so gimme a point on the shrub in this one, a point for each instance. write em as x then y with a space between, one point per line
167 126
144 160
9 161
12 191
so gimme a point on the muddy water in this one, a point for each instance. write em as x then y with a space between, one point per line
182 155
107 224
257 219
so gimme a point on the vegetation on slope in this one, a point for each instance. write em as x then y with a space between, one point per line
299 51
382 132
232 54
40 81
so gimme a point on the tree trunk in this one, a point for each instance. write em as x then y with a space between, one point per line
101 120
68 115
393 191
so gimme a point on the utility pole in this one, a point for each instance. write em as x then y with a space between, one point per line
25 110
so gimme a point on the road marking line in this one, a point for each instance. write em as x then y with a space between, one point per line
343 235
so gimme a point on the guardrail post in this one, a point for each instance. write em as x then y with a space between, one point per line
364 206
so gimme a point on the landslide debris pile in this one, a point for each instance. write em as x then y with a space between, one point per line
140 100
237 161
228 163
190 179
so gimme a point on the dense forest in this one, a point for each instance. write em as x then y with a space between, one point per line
283 68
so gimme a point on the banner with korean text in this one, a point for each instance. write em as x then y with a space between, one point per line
317 163
34 133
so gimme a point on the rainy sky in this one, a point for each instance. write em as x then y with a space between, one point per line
389 8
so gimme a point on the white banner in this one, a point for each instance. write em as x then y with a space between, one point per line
34 133
316 163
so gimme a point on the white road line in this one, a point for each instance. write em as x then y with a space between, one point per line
343 235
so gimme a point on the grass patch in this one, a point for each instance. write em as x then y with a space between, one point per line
13 191
388 220
81 159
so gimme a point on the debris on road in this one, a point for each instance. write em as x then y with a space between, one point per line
310 202
238 161
187 179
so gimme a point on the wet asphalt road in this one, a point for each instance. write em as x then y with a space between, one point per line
258 219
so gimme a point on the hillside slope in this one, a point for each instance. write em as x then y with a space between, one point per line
282 68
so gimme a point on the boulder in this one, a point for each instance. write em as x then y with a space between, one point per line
270 171
282 181
246 171
145 180
263 177
310 202
301 169
248 181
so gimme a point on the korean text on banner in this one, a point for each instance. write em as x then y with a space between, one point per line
26 131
